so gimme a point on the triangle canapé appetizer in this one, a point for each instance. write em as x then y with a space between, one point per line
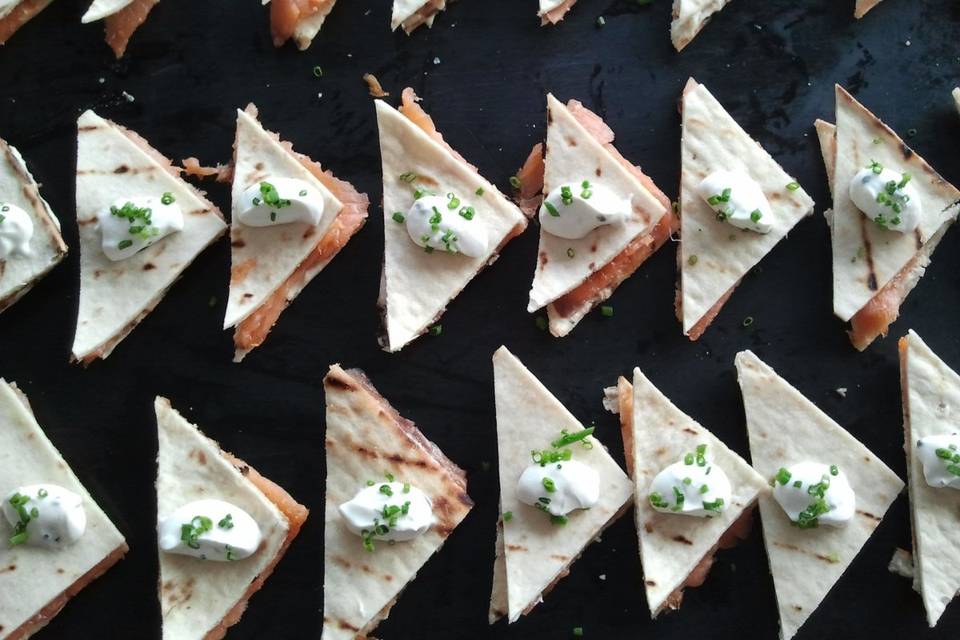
121 19
140 226
890 211
931 406
443 222
30 241
297 19
290 218
54 539
692 494
600 216
736 204
410 14
689 17
221 529
393 498
554 501
829 491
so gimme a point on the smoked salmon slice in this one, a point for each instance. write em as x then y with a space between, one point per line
121 25
19 16
287 16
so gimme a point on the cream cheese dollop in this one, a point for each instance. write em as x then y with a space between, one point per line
738 200
445 224
940 456
44 515
692 486
573 210
812 493
16 230
887 197
280 201
130 225
392 511
210 530
557 488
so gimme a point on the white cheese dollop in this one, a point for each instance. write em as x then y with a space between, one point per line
940 456
888 198
572 211
558 488
210 530
692 486
45 515
280 201
16 230
812 493
388 511
130 225
738 200
443 223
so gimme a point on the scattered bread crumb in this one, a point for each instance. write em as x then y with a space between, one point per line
842 392
901 564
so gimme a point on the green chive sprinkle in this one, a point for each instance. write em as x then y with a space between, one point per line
508 516
606 311
386 490
167 198
551 209
317 72
436 329
398 217
783 476
571 253
515 182
793 186
541 323
692 260
549 485
479 191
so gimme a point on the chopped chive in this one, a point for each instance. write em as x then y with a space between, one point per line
436 329
834 470
692 260
551 209
515 182
541 323
508 516
549 485
747 321
386 490
606 311
167 198
571 253
408 176
317 72
783 476
479 191
793 186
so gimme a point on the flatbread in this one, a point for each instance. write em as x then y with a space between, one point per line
863 6
410 14
806 563
712 141
197 596
366 439
19 273
308 28
931 397
537 554
100 9
113 162
36 583
264 257
672 546
827 137
574 155
689 17
416 285
885 252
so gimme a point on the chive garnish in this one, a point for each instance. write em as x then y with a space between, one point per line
793 186
398 217
569 438
551 209
606 311
167 198
515 182
226 522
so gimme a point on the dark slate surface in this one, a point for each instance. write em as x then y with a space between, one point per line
483 72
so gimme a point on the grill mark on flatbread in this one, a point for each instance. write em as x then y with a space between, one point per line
122 169
692 432
516 547
199 212
238 244
818 556
682 539
651 583
571 142
89 127
560 557
544 259
868 254
310 231
84 223
868 515
149 266
9 568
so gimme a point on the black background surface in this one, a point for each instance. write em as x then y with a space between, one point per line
483 72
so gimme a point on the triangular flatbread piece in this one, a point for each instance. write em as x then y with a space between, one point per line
674 547
21 270
874 268
863 6
689 17
367 439
535 553
113 163
304 27
416 285
36 583
714 255
199 598
931 403
19 16
271 265
410 14
806 563
574 154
